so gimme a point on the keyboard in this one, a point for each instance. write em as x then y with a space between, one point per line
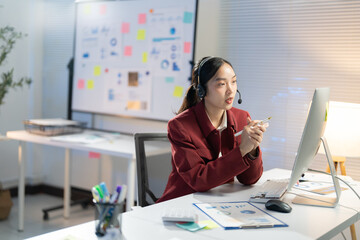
179 215
271 189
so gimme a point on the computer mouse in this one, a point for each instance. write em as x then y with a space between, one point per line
278 206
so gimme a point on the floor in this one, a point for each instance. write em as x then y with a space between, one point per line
34 224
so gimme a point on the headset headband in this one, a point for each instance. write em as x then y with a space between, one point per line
200 65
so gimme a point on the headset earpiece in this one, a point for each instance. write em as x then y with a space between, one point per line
201 91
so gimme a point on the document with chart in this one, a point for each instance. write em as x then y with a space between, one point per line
236 215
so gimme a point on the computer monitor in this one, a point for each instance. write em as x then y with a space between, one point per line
311 138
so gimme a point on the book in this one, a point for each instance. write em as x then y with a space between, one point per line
237 215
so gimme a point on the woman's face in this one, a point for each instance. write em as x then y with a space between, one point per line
221 89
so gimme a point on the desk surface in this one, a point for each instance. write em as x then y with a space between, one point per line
120 145
304 222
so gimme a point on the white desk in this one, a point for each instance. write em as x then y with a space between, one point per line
304 222
120 146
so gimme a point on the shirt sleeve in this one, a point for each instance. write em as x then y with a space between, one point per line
253 174
253 157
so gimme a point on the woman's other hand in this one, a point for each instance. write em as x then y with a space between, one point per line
252 136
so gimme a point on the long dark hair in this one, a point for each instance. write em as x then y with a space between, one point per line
209 67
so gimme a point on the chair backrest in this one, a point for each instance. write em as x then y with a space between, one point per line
153 161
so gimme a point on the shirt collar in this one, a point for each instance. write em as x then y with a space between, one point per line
206 125
223 123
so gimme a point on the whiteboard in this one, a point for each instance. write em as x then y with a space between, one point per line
133 58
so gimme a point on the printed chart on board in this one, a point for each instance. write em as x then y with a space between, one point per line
133 58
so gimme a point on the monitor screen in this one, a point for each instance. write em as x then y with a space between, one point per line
311 137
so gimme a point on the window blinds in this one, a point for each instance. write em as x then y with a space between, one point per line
281 51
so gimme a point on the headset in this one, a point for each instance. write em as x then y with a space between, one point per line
201 91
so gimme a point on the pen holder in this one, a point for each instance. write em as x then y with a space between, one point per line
107 216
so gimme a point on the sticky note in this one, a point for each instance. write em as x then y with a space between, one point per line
125 27
128 51
187 47
142 18
141 34
191 226
144 57
94 155
90 84
87 9
169 79
81 84
70 237
102 9
133 105
97 71
188 16
178 91
209 224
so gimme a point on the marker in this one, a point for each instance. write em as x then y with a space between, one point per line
122 194
258 124
115 195
105 191
101 195
95 194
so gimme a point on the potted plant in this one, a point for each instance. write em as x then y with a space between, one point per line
8 38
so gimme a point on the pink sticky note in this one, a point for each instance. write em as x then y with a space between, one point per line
128 51
94 155
142 18
125 27
81 84
102 9
187 47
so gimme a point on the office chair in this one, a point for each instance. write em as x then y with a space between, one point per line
153 161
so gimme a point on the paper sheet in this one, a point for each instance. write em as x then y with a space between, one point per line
233 215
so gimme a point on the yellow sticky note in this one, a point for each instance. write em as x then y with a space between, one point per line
178 91
141 34
97 71
133 105
90 84
87 9
144 57
209 224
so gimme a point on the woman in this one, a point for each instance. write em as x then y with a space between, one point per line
205 152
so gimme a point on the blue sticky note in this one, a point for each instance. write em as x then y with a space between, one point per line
188 16
169 79
191 226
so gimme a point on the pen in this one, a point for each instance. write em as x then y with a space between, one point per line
259 123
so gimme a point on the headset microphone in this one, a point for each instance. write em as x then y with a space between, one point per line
240 100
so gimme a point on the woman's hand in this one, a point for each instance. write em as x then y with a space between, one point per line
251 136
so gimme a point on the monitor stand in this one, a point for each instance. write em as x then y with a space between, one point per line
314 200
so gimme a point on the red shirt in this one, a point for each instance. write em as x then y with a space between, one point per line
196 144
